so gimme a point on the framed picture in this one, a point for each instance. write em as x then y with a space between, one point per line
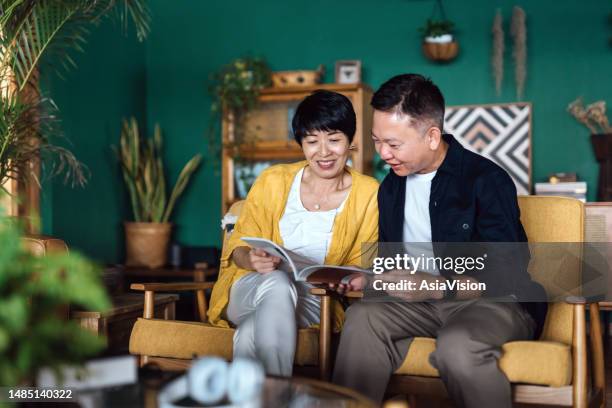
500 132
348 72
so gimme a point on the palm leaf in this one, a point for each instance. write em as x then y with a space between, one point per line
33 29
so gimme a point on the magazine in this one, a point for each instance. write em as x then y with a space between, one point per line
303 269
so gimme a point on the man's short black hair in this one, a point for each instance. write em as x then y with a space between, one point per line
324 110
412 95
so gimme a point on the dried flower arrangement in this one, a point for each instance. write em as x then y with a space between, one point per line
518 30
497 59
593 116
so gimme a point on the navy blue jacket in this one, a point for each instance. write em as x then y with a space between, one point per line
472 199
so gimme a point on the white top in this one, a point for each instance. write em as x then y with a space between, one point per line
307 233
417 224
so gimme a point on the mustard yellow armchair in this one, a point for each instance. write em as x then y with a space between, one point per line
172 344
553 369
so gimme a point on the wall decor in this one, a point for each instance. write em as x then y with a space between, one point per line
594 117
497 57
288 79
500 132
518 30
348 72
439 43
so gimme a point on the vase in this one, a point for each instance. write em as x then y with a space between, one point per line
147 243
602 146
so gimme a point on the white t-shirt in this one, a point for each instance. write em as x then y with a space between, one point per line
417 224
307 233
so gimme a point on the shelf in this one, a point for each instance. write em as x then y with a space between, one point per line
299 92
302 89
272 150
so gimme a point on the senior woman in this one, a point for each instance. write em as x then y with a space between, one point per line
319 208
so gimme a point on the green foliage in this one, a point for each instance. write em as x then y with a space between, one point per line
33 292
435 28
143 173
235 88
50 29
33 28
20 124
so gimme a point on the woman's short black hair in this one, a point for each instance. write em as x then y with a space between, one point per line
324 110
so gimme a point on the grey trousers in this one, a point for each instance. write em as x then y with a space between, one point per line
267 309
469 335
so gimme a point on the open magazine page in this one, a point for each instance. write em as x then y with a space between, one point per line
291 262
302 267
329 274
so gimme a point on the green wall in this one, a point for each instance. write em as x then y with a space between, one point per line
568 56
108 84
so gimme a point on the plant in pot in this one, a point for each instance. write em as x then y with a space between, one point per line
439 43
235 89
594 117
142 165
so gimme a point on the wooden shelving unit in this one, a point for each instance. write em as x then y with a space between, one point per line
269 138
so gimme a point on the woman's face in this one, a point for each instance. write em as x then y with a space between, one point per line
326 152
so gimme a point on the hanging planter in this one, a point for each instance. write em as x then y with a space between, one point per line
441 48
439 43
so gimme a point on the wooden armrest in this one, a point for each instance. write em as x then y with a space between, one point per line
171 287
331 292
576 300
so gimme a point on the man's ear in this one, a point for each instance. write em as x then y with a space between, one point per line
434 134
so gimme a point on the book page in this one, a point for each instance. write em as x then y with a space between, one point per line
291 262
286 264
330 273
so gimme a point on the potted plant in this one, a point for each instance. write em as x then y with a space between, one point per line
31 30
595 119
33 293
439 43
236 87
141 160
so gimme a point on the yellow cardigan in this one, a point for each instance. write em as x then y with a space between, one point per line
357 223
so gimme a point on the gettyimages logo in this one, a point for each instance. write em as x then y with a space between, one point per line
412 264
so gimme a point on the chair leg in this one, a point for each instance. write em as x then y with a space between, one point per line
149 304
579 353
597 354
325 338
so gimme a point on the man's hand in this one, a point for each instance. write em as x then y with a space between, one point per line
356 282
262 262
414 281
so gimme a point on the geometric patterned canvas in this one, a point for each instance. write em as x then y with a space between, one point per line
499 132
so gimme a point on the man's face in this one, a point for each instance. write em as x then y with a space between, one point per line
406 148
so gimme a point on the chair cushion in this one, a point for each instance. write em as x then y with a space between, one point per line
532 362
184 340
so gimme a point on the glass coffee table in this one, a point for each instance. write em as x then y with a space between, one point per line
279 392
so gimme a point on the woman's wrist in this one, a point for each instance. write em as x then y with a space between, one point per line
240 256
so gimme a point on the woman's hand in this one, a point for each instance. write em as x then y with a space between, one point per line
262 262
356 282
